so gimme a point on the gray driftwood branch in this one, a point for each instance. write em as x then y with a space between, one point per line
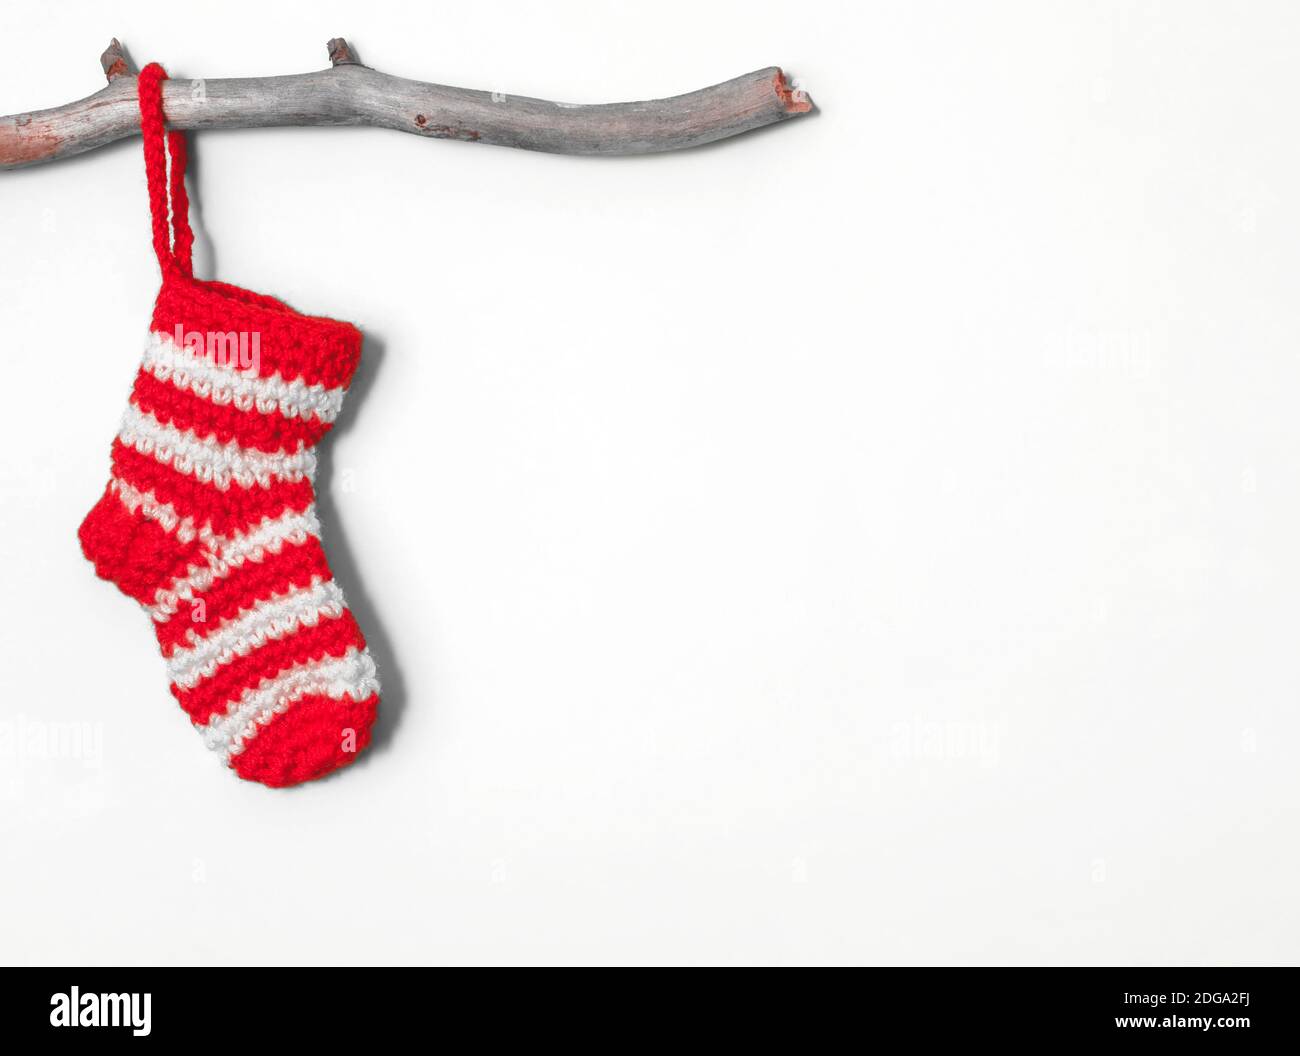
349 93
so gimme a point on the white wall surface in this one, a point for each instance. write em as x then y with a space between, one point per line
873 539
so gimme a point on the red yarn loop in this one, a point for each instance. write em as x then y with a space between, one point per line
174 241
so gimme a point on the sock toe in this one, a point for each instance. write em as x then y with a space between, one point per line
315 736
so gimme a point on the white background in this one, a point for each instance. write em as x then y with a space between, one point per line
874 539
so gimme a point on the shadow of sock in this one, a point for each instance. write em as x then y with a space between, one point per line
392 701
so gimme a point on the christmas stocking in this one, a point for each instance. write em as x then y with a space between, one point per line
209 517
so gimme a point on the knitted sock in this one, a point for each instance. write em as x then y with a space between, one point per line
208 519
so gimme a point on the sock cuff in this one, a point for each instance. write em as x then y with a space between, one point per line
272 339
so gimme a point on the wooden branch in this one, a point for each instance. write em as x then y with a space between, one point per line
349 93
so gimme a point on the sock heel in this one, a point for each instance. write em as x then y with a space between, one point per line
135 554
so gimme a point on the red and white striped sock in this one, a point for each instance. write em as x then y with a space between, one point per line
208 519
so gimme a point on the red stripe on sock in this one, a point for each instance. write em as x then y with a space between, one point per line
330 637
230 511
271 432
253 581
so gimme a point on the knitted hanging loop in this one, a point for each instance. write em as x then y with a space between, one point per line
174 242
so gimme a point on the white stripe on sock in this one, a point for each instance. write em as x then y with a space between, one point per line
231 552
351 675
268 620
207 459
